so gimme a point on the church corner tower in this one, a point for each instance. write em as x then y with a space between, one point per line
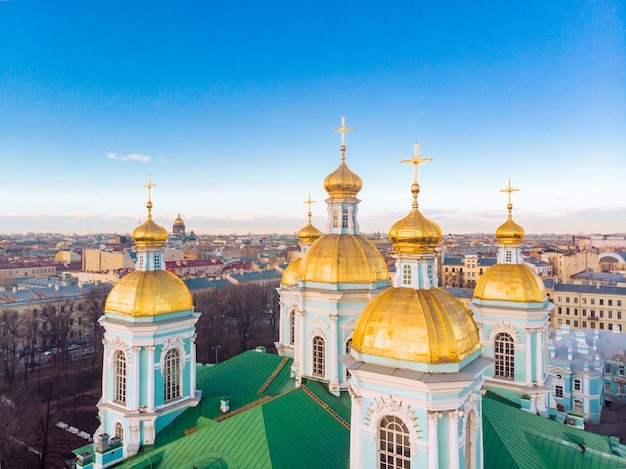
511 308
415 367
149 364
324 291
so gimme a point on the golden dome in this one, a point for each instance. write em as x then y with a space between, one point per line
415 234
309 233
149 293
149 234
424 326
343 183
343 258
179 221
509 232
291 272
510 282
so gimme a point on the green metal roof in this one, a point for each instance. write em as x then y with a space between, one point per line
517 439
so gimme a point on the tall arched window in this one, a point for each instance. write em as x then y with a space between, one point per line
348 347
120 377
335 219
319 356
394 449
292 327
119 431
504 353
171 375
407 275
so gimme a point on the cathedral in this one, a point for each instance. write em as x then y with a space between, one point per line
374 371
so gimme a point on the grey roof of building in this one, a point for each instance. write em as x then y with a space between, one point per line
608 344
268 275
591 289
599 276
487 261
460 292
26 296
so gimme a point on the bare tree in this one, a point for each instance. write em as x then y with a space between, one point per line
56 324
10 339
93 307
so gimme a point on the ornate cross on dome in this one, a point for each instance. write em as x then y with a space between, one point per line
343 129
510 190
309 202
149 186
416 160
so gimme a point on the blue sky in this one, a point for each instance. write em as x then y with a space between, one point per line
231 106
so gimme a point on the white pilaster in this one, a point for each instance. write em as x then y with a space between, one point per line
136 380
433 440
105 371
334 357
355 430
301 344
539 353
453 429
150 378
192 366
529 367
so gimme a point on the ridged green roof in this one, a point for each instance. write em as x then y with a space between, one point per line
517 439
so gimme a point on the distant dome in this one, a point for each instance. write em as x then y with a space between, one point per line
425 326
149 293
510 282
179 221
343 258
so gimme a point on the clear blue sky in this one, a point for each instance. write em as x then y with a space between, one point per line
231 106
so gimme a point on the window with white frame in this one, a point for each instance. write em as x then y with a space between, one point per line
348 347
508 256
558 390
577 385
171 375
119 431
429 273
292 327
504 353
157 262
344 218
407 275
319 356
120 377
607 386
394 448
335 219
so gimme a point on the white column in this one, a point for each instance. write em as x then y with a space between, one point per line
150 378
105 371
334 356
355 430
281 326
529 367
136 380
453 427
192 364
433 440
538 351
301 344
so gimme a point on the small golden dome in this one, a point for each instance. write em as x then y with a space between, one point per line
149 293
510 282
415 234
149 234
343 258
343 183
179 221
309 234
424 326
291 273
509 232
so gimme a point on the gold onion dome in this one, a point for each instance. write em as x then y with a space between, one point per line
149 234
343 258
149 293
415 234
425 326
509 232
309 233
510 282
343 183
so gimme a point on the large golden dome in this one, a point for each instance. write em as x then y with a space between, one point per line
510 282
424 326
343 258
415 234
149 234
291 272
343 183
149 293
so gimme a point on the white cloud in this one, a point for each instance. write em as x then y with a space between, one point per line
130 157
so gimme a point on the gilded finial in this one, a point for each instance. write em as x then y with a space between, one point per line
309 202
415 160
343 129
509 190
149 186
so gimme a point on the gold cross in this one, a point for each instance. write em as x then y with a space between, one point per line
509 189
309 202
149 186
416 160
343 129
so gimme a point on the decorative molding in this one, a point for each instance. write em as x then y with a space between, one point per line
116 344
318 327
173 343
349 325
380 408
505 327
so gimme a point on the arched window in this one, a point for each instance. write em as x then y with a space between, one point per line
319 356
119 431
348 347
429 273
504 353
335 219
394 449
171 375
471 443
292 327
508 257
344 218
120 377
407 275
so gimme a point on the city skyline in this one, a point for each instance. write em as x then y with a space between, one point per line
232 111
